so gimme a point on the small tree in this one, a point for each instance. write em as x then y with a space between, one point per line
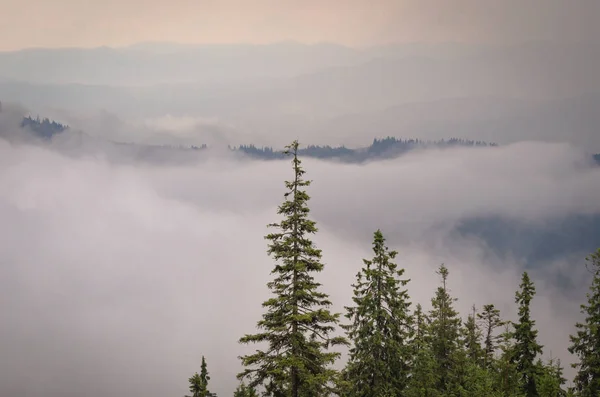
244 391
489 318
379 358
472 338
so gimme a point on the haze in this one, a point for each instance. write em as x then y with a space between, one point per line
39 23
117 275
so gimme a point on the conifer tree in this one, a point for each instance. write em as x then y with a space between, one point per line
489 319
296 327
423 377
380 327
199 382
445 331
526 347
585 344
506 369
244 391
550 379
472 337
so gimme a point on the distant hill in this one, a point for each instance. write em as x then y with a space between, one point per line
386 148
389 147
45 128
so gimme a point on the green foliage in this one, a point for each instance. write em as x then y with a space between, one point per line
423 377
199 382
297 324
445 331
472 340
526 347
507 378
479 382
244 391
381 326
550 379
489 320
585 344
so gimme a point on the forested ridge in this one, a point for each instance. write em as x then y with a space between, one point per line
380 148
396 348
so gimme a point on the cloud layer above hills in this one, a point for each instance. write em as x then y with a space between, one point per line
117 278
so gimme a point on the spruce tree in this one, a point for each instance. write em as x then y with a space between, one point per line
585 344
380 327
506 370
199 382
204 378
550 380
244 391
423 377
445 332
296 327
489 318
472 338
526 347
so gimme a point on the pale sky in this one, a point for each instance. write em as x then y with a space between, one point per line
91 23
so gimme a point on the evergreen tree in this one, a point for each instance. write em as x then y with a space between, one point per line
526 347
244 391
204 378
585 344
479 382
199 382
472 338
551 380
423 372
445 331
297 324
380 328
489 319
505 368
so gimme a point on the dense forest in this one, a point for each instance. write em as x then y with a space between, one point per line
396 348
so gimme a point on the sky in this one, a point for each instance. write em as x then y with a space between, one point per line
117 277
92 23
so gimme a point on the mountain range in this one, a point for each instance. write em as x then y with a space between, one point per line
325 93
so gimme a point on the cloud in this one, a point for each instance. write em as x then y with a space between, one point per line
116 277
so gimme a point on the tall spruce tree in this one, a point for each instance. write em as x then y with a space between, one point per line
445 331
526 347
297 324
585 344
380 328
